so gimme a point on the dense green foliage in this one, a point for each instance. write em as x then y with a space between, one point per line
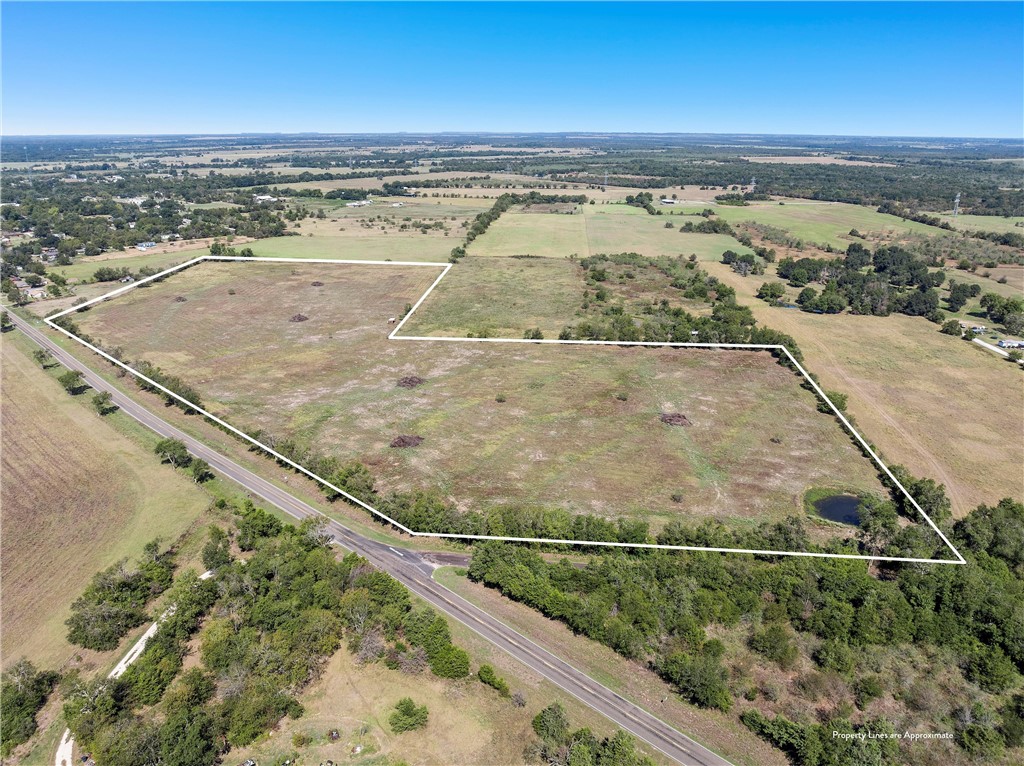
268 625
115 601
22 694
656 606
561 746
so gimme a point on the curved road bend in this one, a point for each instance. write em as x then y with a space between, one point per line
415 572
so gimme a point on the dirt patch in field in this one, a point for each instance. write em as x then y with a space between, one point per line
180 299
299 318
316 284
407 441
410 381
675 419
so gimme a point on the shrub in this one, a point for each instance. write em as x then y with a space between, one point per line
487 675
408 716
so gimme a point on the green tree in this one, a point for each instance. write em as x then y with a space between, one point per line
552 724
173 451
101 402
772 292
72 381
408 716
487 675
776 643
23 693
43 357
951 327
5 322
199 470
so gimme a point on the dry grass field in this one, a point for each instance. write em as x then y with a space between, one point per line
77 496
579 426
501 297
946 409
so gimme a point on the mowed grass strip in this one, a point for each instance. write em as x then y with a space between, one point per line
579 426
77 496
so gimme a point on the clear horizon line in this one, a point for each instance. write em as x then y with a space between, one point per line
285 133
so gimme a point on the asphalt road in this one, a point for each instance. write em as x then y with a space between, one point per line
414 570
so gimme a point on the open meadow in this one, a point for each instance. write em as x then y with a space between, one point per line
945 408
77 496
572 426
593 229
822 223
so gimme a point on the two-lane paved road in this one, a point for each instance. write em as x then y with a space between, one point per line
415 572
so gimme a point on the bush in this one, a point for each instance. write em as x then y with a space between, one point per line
552 724
450 662
487 675
775 643
408 716
867 689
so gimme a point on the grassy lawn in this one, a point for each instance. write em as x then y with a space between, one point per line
611 228
570 432
84 267
78 496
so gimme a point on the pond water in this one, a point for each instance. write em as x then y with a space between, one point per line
841 508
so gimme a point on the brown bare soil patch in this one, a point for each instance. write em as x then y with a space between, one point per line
180 299
299 318
410 381
407 441
675 419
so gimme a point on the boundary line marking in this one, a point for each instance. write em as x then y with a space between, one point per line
393 336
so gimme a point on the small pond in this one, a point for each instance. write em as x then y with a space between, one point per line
841 508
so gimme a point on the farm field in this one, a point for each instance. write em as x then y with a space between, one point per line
819 222
928 401
596 229
570 431
77 496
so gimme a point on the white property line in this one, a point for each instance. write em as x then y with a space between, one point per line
393 336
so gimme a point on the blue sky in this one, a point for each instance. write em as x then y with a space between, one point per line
920 69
